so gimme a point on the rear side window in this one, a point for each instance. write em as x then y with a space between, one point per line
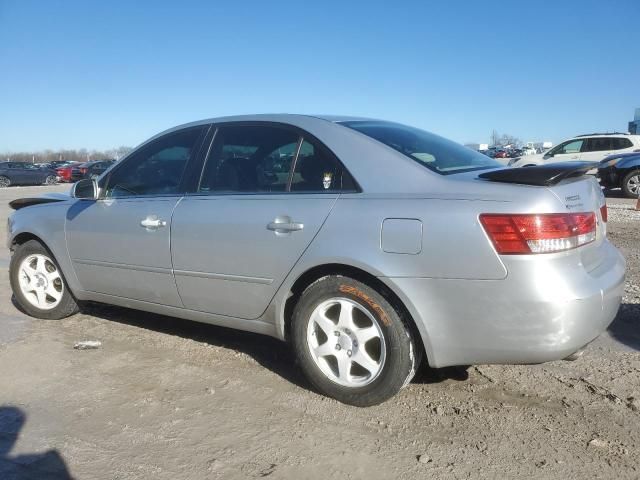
317 170
249 159
432 151
599 144
157 168
263 159
620 143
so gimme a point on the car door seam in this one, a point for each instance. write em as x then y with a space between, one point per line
173 272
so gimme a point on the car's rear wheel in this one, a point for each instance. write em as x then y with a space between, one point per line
4 181
50 180
351 343
38 284
631 184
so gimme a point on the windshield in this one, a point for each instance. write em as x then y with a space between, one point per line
436 153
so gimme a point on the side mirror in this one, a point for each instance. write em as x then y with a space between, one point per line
86 188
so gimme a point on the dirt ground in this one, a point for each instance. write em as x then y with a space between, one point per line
170 399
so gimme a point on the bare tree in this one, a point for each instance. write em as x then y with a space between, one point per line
495 138
504 139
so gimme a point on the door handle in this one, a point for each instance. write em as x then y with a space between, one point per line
152 222
284 225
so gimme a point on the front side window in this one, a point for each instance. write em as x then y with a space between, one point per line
432 151
157 168
249 158
572 146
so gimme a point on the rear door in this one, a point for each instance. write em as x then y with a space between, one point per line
264 194
597 148
120 243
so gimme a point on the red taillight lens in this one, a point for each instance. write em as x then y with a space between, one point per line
604 213
541 233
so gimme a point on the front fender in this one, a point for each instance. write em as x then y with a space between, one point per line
45 222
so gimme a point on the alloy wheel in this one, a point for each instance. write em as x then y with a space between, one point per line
633 184
346 342
40 282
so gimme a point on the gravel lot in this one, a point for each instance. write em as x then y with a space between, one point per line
169 399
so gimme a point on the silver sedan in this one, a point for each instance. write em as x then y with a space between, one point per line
367 245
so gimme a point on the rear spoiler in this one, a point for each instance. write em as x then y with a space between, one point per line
540 175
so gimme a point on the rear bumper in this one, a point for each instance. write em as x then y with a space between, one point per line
546 309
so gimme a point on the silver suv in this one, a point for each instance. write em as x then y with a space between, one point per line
587 148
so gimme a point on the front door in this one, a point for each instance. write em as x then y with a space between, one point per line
120 244
567 151
264 195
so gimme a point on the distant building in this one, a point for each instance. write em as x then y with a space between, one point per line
477 146
634 126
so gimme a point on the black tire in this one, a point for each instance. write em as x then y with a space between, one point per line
402 356
625 184
4 181
67 305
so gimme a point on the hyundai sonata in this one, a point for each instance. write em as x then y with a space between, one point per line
367 245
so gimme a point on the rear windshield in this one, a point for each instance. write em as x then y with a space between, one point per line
436 153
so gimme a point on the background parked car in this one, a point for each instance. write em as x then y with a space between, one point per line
57 163
621 171
90 169
63 171
587 148
18 173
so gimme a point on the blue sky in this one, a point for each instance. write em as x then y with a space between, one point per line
101 74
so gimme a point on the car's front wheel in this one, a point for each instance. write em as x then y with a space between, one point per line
38 284
351 343
631 184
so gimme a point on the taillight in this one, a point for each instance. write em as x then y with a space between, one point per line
603 213
539 233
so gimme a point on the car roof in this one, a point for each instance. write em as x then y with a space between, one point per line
288 118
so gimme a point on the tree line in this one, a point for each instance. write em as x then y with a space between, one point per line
73 155
504 139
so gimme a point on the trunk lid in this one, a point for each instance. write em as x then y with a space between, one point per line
575 192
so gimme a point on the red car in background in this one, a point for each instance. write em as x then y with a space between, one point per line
63 172
501 154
